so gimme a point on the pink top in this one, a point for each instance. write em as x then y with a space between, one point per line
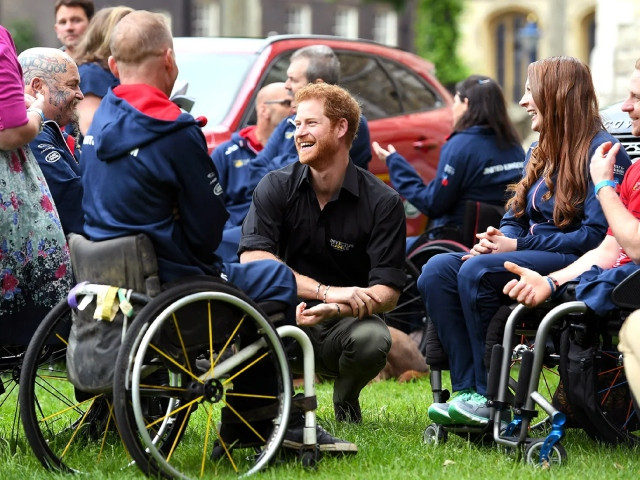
12 107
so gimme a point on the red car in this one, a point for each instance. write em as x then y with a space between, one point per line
402 100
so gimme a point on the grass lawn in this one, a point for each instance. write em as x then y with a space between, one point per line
390 447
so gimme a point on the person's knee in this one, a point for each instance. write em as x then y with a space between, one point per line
435 270
369 343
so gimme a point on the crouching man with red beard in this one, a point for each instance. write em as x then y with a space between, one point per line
342 232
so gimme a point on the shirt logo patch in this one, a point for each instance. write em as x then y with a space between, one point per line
44 147
52 157
289 135
636 187
240 163
340 246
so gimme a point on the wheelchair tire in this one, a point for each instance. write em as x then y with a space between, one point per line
410 314
11 357
59 422
212 338
611 415
557 455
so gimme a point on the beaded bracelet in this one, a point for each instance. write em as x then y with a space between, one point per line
318 290
324 297
602 184
338 307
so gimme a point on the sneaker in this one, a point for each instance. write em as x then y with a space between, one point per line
439 412
348 412
327 443
473 410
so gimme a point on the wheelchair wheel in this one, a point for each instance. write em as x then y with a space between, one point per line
60 423
410 314
434 434
613 417
228 395
11 357
556 456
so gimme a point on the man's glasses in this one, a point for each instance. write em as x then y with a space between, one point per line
286 102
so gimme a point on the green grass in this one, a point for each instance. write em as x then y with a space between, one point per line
390 446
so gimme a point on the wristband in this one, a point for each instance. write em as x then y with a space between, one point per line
555 282
552 285
602 184
338 307
39 112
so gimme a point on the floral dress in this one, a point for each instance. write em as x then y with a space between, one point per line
35 273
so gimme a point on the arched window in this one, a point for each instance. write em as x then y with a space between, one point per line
515 46
587 37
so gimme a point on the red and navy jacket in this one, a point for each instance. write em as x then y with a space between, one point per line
146 169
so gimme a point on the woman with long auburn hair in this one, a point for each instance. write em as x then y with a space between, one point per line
553 217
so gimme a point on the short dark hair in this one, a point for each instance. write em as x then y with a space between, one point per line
86 5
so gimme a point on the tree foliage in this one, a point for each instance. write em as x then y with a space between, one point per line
23 33
437 36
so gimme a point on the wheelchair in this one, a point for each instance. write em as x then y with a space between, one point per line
564 366
410 313
167 379
595 395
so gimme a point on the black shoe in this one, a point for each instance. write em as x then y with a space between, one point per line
348 412
327 443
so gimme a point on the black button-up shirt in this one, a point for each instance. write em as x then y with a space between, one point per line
358 239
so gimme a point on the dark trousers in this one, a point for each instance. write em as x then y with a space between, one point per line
462 297
350 350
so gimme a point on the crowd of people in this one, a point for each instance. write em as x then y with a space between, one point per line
293 215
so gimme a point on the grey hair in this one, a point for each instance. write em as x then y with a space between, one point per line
323 63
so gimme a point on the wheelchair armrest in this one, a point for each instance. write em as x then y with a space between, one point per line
626 294
274 310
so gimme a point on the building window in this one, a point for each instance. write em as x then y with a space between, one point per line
346 22
385 28
205 19
298 19
512 54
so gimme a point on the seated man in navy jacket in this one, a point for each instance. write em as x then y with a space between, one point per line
54 74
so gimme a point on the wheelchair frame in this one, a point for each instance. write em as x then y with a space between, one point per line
151 414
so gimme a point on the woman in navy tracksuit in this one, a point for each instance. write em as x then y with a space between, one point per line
481 158
552 219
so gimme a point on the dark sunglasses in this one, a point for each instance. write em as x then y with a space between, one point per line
286 102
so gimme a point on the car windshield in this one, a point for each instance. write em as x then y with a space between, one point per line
214 80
